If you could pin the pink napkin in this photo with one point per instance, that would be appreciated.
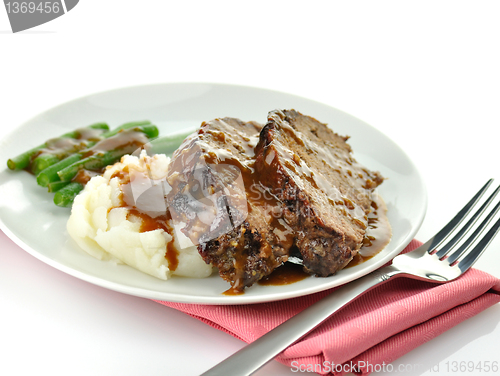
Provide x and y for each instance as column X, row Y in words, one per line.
column 377, row 328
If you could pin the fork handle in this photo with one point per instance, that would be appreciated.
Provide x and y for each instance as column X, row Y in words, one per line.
column 256, row 354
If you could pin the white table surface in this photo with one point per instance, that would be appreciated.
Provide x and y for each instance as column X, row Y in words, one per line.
column 425, row 73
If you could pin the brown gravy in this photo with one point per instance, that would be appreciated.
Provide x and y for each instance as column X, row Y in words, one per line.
column 159, row 223
column 127, row 141
column 62, row 146
column 148, row 223
column 83, row 176
column 171, row 255
column 286, row 274
column 233, row 291
column 357, row 260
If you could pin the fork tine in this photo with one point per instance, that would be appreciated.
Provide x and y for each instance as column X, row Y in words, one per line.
column 437, row 239
column 456, row 254
column 465, row 228
column 480, row 247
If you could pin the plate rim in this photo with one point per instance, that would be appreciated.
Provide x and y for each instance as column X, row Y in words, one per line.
column 221, row 299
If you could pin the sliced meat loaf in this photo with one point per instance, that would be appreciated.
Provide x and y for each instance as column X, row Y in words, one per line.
column 325, row 194
column 225, row 207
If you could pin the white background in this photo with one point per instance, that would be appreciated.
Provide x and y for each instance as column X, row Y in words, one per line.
column 426, row 73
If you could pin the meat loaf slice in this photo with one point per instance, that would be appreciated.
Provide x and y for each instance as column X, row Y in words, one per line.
column 325, row 193
column 227, row 211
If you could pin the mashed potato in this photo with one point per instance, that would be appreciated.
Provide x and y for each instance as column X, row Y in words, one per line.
column 107, row 229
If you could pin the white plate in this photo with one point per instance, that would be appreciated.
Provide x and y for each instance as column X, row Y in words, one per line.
column 28, row 216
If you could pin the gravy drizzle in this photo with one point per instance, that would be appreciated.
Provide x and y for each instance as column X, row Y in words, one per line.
column 149, row 222
column 62, row 146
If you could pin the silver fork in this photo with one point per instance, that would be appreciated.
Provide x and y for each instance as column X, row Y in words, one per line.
column 424, row 263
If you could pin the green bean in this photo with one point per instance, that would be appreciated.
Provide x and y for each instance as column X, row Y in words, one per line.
column 43, row 161
column 49, row 175
column 57, row 185
column 132, row 124
column 64, row 197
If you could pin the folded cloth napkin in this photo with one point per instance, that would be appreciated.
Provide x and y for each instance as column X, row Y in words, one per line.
column 375, row 329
